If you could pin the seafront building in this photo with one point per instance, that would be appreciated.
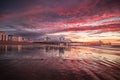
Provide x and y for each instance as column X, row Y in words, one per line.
column 5, row 37
column 15, row 38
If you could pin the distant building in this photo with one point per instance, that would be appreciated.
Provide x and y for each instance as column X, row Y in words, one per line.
column 3, row 36
column 15, row 38
column 62, row 39
column 10, row 37
column 47, row 39
column 20, row 39
column 54, row 39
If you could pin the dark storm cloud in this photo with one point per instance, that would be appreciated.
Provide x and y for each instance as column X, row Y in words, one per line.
column 16, row 5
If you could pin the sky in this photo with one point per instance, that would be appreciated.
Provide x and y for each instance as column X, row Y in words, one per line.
column 76, row 20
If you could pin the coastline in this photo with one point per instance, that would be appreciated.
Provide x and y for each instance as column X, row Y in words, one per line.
column 15, row 43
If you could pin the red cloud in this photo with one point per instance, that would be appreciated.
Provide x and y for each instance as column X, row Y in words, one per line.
column 52, row 15
column 105, row 28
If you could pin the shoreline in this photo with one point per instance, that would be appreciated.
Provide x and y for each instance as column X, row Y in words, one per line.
column 32, row 43
column 15, row 43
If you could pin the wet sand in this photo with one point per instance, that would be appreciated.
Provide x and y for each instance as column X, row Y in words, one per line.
column 59, row 63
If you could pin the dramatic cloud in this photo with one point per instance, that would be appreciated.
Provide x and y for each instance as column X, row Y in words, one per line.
column 38, row 18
